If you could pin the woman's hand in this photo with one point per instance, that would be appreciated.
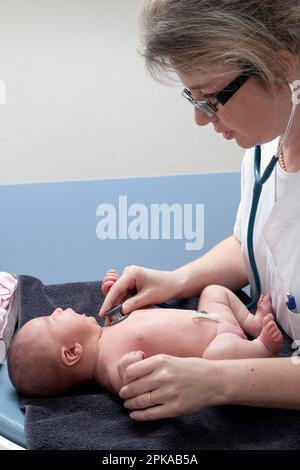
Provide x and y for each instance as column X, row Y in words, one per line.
column 164, row 386
column 142, row 287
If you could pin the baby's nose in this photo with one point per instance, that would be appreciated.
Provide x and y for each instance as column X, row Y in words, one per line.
column 59, row 309
column 70, row 310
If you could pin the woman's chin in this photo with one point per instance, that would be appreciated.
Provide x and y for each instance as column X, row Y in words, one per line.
column 243, row 142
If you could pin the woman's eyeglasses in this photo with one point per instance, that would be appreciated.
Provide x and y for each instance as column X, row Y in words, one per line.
column 211, row 106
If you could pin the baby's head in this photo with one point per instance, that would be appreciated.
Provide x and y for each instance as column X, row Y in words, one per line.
column 49, row 355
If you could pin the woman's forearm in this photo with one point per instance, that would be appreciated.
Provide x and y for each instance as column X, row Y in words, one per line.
column 223, row 265
column 271, row 383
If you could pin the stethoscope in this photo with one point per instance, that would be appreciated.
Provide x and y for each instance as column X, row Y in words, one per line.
column 259, row 181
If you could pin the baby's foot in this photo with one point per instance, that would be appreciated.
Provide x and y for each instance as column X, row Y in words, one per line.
column 264, row 307
column 270, row 336
column 109, row 279
column 128, row 359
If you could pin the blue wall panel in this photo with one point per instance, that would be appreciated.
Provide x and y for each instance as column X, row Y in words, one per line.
column 48, row 230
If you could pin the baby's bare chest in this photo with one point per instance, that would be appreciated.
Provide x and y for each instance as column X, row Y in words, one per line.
column 173, row 332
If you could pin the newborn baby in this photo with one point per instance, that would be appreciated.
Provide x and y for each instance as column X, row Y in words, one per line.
column 52, row 354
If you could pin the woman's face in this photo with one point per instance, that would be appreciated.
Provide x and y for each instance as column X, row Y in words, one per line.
column 252, row 115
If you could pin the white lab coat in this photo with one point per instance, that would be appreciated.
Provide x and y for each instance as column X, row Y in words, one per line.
column 276, row 237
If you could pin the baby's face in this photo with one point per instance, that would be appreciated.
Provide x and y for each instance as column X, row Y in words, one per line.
column 66, row 325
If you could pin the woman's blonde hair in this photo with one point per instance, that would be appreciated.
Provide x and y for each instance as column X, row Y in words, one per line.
column 191, row 35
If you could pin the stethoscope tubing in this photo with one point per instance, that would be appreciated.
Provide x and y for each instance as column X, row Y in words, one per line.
column 259, row 181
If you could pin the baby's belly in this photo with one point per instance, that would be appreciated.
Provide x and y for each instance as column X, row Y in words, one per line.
column 168, row 331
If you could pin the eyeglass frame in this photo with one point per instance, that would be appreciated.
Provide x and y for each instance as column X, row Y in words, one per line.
column 211, row 107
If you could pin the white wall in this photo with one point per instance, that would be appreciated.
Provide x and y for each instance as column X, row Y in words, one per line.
column 80, row 104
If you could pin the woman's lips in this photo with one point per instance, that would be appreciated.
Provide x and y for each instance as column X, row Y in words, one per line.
column 228, row 135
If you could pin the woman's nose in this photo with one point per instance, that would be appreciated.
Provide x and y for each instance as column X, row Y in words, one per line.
column 202, row 119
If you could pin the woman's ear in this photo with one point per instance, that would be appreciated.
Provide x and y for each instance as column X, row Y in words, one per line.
column 291, row 62
column 71, row 355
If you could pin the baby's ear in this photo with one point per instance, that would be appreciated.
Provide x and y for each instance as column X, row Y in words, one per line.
column 71, row 355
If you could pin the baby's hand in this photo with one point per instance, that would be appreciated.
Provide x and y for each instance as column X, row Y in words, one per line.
column 127, row 360
column 109, row 279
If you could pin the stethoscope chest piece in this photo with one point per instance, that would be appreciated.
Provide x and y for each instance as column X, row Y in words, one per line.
column 116, row 315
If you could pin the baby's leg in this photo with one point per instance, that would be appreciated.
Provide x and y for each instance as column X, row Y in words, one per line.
column 231, row 346
column 221, row 300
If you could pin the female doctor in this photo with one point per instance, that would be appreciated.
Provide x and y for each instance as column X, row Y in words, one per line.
column 254, row 47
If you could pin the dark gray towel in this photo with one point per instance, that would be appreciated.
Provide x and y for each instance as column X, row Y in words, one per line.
column 95, row 419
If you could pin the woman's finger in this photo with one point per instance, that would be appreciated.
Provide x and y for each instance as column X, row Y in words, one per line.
column 152, row 414
column 116, row 294
column 156, row 404
column 145, row 400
